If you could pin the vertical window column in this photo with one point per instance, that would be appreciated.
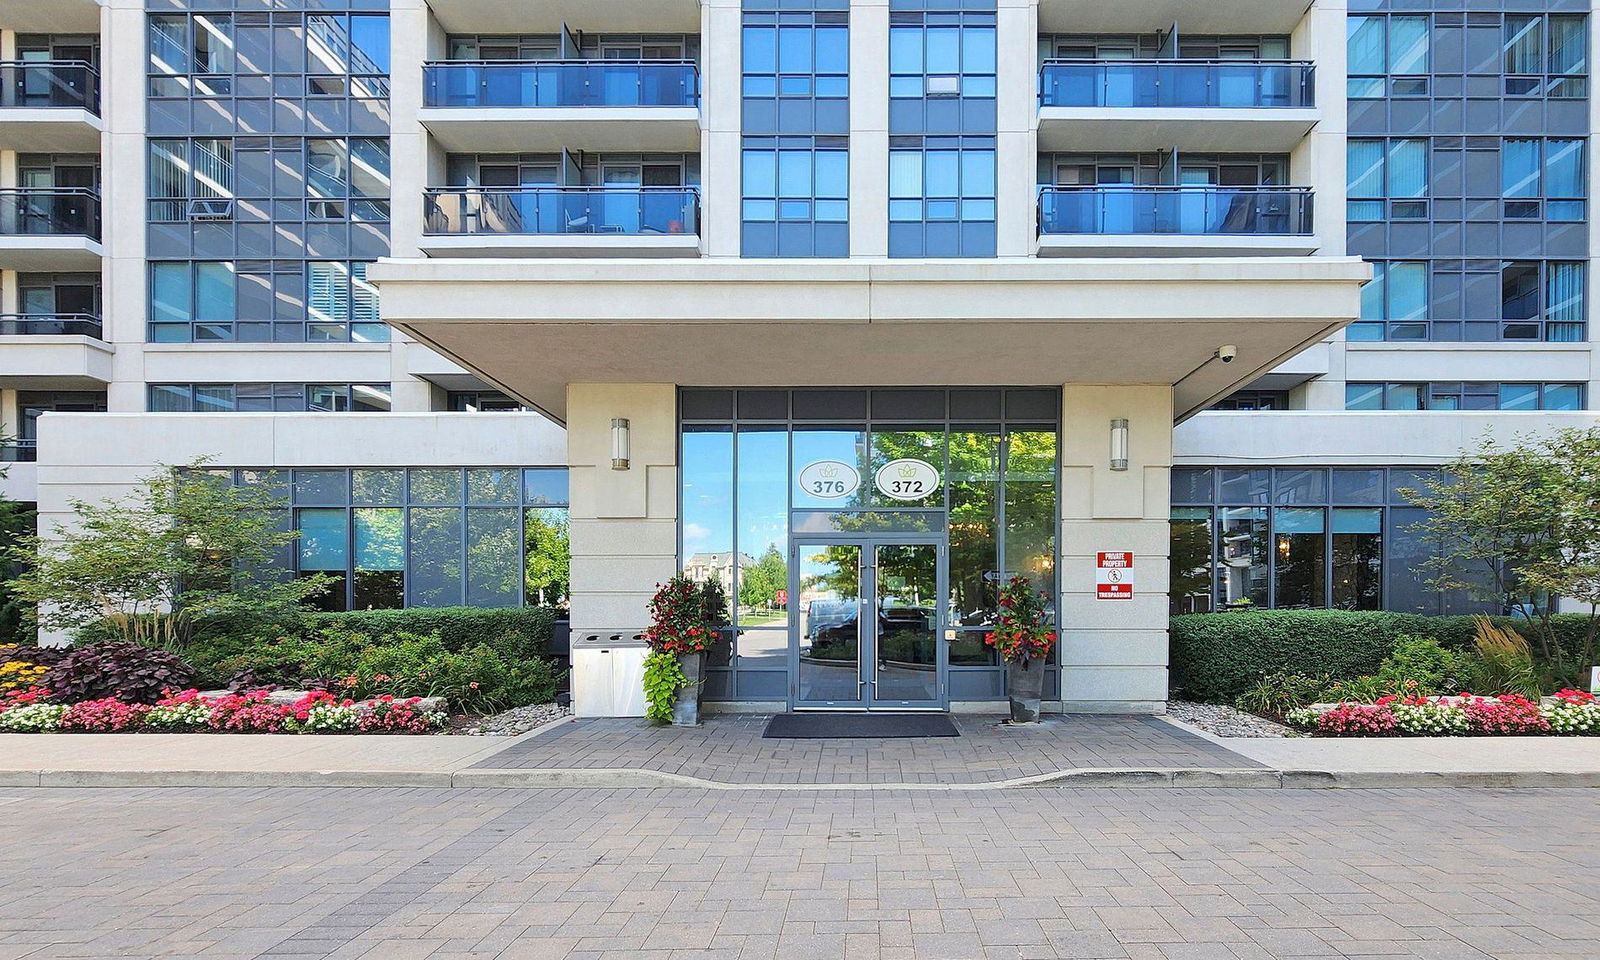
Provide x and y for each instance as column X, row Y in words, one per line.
column 942, row 127
column 796, row 125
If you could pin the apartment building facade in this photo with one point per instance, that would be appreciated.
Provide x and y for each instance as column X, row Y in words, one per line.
column 881, row 302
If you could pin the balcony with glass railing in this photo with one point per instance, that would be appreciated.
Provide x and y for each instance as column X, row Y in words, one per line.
column 51, row 325
column 63, row 352
column 1237, row 105
column 483, row 105
column 50, row 106
column 577, row 220
column 1177, row 219
column 49, row 228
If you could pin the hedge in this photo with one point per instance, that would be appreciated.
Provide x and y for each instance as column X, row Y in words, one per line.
column 458, row 627
column 1216, row 656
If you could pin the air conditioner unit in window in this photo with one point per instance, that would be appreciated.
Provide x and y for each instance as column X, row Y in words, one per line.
column 212, row 209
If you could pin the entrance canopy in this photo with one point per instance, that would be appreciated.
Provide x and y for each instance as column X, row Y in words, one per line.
column 533, row 326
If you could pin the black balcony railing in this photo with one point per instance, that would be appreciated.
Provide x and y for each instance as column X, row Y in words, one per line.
column 561, row 83
column 67, row 324
column 19, row 451
column 1177, row 83
column 628, row 211
column 1180, row 210
column 50, row 211
column 50, row 83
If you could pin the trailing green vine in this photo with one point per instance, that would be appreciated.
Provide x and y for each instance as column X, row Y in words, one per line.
column 663, row 678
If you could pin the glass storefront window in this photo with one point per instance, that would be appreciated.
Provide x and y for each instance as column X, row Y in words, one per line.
column 1357, row 558
column 437, row 547
column 1190, row 590
column 760, row 467
column 1301, row 542
column 1030, row 505
column 761, row 577
column 1241, row 557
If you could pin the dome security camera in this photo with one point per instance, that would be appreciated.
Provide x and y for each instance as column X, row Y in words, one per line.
column 1227, row 352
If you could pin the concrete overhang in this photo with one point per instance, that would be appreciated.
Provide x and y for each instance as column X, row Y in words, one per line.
column 49, row 252
column 55, row 362
column 1148, row 16
column 561, row 245
column 1205, row 129
column 1356, row 438
column 50, row 130
column 552, row 129
column 532, row 327
column 548, row 16
column 52, row 16
column 1172, row 245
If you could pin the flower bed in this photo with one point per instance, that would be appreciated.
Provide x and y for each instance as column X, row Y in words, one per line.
column 190, row 711
column 1568, row 713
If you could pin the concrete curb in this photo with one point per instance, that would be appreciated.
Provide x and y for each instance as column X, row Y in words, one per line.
column 1185, row 778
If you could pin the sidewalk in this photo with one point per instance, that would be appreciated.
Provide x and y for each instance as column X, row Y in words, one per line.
column 728, row 753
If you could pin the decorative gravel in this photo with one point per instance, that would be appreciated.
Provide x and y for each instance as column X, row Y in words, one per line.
column 1224, row 721
column 516, row 721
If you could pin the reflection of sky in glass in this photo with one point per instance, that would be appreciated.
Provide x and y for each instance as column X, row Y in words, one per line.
column 846, row 446
column 707, row 492
column 763, row 486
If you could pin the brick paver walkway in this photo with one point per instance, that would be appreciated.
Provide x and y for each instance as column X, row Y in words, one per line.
column 348, row 874
column 729, row 749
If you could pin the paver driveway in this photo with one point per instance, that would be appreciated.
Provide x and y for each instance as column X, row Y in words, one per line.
column 729, row 748
column 411, row 874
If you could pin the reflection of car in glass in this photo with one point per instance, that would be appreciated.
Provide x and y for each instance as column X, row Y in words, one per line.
column 906, row 632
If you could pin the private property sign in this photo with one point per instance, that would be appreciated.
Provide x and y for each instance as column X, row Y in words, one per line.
column 1113, row 576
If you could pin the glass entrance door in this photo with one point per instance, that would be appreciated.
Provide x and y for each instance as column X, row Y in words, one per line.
column 866, row 629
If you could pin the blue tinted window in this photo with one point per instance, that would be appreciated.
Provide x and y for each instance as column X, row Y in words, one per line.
column 796, row 172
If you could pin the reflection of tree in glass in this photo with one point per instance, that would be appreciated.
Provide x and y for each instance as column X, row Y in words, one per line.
column 1030, row 484
column 435, row 556
column 380, row 538
column 974, row 480
column 760, row 582
column 1191, row 565
column 548, row 559
column 493, row 555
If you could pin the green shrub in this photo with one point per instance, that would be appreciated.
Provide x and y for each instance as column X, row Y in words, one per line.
column 517, row 632
column 1421, row 666
column 1276, row 694
column 1216, row 657
column 483, row 678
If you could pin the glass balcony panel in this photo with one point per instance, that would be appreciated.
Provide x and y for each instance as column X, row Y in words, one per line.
column 65, row 324
column 50, row 211
column 50, row 83
column 630, row 211
column 562, row 83
column 1176, row 83
column 1176, row 210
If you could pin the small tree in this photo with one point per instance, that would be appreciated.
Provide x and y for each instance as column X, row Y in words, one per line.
column 188, row 542
column 1517, row 526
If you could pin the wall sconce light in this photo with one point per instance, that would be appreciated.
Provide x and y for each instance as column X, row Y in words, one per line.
column 1119, row 444
column 619, row 444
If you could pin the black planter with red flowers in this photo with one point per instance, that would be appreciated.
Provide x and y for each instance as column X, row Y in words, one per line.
column 1025, row 639
column 687, row 618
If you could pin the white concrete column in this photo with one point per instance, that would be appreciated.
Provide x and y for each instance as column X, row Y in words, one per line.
column 124, row 276
column 1016, row 144
column 624, row 522
column 1319, row 160
column 410, row 23
column 721, row 102
column 1114, row 652
column 869, row 128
